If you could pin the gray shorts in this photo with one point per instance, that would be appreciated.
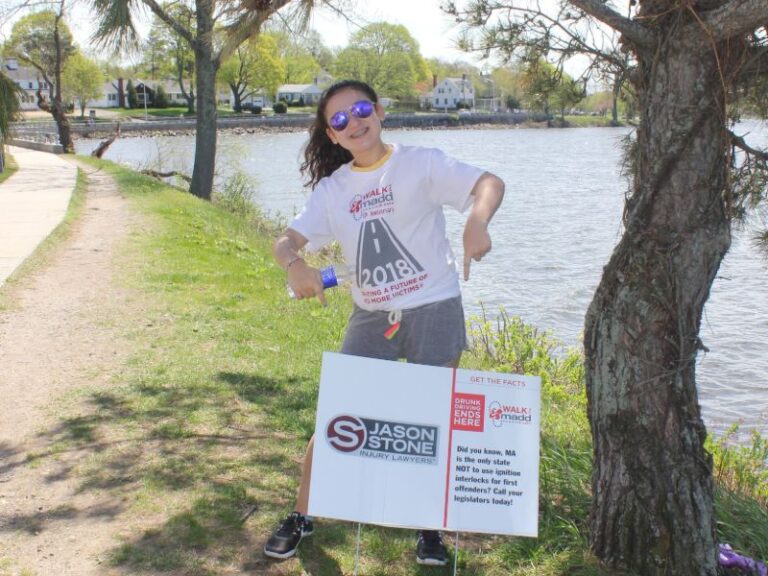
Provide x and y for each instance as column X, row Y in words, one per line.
column 434, row 334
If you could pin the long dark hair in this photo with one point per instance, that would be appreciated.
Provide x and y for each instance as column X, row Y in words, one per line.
column 321, row 156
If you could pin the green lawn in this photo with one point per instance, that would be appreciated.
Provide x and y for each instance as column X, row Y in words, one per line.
column 10, row 168
column 178, row 111
column 201, row 435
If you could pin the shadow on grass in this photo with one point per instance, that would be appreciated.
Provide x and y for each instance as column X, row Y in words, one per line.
column 211, row 526
column 205, row 471
column 289, row 403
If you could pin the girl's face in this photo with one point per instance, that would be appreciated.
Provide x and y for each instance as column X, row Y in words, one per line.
column 360, row 135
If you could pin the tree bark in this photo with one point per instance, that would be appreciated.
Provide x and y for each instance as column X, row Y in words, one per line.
column 58, row 109
column 615, row 101
column 652, row 478
column 237, row 104
column 205, row 137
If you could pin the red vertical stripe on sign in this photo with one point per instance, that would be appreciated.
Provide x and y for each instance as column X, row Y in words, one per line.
column 450, row 452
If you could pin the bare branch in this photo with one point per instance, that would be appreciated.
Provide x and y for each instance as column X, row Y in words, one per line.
column 161, row 175
column 740, row 143
column 174, row 24
column 631, row 30
column 737, row 17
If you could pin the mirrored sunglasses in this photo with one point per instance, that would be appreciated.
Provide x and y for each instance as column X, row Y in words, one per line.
column 360, row 109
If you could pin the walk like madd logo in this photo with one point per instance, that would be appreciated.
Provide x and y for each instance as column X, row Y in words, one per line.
column 382, row 439
column 501, row 414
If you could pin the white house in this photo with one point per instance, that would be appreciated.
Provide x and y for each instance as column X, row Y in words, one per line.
column 112, row 95
column 28, row 79
column 307, row 94
column 451, row 91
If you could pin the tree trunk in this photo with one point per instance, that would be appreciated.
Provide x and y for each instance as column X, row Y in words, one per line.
column 205, row 136
column 58, row 109
column 652, row 479
column 188, row 96
column 237, row 104
column 62, row 124
column 615, row 101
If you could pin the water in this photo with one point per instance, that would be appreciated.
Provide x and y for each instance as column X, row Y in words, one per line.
column 552, row 236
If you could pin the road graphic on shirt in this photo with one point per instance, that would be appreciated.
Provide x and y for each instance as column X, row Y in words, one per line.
column 385, row 268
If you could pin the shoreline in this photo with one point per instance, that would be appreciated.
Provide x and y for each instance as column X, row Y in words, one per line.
column 100, row 134
column 47, row 132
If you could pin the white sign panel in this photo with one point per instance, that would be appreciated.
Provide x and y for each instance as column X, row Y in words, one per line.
column 417, row 446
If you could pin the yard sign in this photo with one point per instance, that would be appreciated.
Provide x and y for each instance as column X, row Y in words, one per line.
column 400, row 444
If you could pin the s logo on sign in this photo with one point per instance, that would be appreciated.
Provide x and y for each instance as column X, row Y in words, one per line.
column 346, row 433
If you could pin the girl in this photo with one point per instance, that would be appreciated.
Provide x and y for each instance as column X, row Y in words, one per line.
column 384, row 203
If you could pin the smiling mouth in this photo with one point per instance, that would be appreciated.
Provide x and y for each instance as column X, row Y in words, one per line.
column 359, row 133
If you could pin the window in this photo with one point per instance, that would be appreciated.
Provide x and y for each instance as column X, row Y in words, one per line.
column 29, row 85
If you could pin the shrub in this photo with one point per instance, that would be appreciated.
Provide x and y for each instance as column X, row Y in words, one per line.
column 236, row 196
column 161, row 98
column 280, row 107
column 513, row 103
column 255, row 109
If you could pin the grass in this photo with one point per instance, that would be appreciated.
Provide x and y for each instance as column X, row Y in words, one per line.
column 10, row 168
column 199, row 439
column 587, row 121
column 181, row 111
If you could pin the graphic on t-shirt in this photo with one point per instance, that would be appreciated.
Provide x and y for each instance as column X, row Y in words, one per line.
column 385, row 267
column 374, row 203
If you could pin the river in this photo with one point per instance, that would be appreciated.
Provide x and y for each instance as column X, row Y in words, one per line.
column 552, row 236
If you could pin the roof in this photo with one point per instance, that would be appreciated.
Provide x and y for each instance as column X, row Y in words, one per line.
column 20, row 73
column 459, row 81
column 301, row 88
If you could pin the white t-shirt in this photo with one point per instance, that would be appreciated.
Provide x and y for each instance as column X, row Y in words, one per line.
column 390, row 224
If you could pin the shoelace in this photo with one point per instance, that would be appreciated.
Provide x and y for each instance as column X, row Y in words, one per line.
column 291, row 524
column 432, row 538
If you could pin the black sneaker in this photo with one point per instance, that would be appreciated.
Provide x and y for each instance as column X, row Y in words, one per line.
column 430, row 549
column 284, row 542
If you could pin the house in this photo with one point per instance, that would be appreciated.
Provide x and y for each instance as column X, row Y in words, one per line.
column 299, row 94
column 112, row 95
column 28, row 79
column 451, row 92
column 323, row 80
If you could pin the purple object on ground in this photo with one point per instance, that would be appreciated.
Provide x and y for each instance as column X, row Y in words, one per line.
column 730, row 559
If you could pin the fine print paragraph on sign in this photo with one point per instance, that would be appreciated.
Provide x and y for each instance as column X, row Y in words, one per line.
column 415, row 446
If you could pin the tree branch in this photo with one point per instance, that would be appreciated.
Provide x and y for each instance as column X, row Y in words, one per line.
column 247, row 25
column 160, row 175
column 740, row 143
column 736, row 17
column 174, row 24
column 631, row 30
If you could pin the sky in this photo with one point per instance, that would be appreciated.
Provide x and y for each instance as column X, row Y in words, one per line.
column 432, row 29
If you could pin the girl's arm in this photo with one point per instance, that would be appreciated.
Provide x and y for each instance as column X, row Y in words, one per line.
column 488, row 193
column 304, row 280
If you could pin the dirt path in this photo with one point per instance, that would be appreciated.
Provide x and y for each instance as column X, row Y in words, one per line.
column 62, row 335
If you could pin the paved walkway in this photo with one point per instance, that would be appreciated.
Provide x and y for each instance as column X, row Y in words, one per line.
column 32, row 203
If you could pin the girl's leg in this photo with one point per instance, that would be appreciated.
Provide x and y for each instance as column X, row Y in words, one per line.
column 302, row 499
column 285, row 540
